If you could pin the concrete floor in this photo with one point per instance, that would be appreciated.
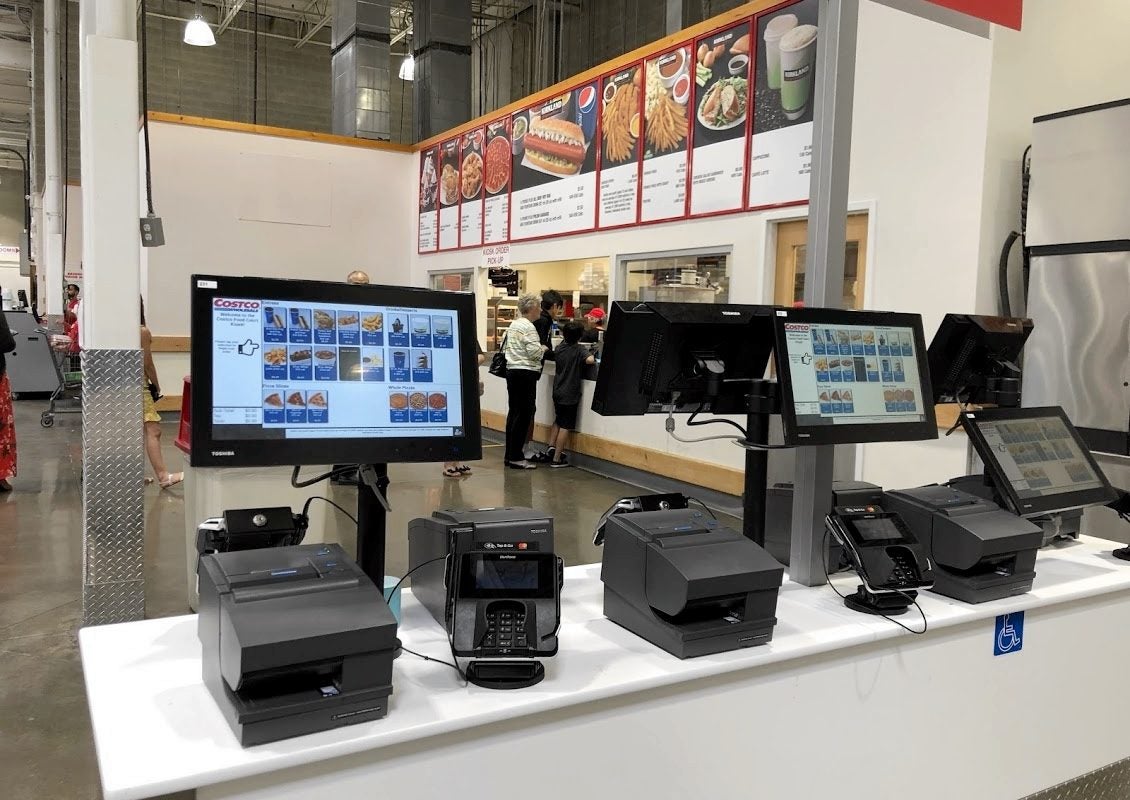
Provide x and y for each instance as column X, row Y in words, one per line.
column 46, row 750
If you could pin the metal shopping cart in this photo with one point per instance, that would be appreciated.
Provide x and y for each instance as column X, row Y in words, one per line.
column 67, row 397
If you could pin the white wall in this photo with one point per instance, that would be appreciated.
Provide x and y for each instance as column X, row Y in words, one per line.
column 918, row 149
column 344, row 208
column 1068, row 55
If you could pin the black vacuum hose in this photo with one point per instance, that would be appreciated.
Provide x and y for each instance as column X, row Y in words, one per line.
column 1002, row 273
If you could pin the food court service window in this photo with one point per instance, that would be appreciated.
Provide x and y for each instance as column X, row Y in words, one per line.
column 689, row 276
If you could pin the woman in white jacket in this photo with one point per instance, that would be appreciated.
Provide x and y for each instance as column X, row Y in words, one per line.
column 523, row 350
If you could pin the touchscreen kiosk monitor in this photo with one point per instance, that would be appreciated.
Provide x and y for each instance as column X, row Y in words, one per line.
column 969, row 351
column 307, row 372
column 853, row 376
column 697, row 356
column 1036, row 460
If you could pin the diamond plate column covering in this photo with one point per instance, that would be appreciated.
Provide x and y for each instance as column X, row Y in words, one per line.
column 360, row 62
column 113, row 461
column 441, row 45
column 1112, row 782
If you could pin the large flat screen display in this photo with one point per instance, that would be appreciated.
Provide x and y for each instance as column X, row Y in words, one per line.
column 853, row 376
column 305, row 372
column 1036, row 459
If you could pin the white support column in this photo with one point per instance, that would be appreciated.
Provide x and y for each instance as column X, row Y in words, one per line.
column 113, row 458
column 51, row 249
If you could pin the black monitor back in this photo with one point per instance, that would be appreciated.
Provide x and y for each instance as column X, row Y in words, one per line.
column 969, row 349
column 650, row 351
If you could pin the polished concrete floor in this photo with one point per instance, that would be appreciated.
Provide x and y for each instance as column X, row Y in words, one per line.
column 46, row 750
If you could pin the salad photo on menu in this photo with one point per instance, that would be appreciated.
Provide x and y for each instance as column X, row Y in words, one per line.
column 722, row 80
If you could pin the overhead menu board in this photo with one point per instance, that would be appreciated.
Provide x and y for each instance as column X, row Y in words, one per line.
column 496, row 183
column 553, row 184
column 471, row 189
column 667, row 91
column 781, row 151
column 427, row 237
column 449, row 195
column 716, row 125
column 721, row 114
column 620, row 119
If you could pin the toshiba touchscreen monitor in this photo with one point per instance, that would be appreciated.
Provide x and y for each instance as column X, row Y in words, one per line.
column 853, row 376
column 1036, row 459
column 307, row 372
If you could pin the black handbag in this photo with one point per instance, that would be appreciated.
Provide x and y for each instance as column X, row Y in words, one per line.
column 498, row 360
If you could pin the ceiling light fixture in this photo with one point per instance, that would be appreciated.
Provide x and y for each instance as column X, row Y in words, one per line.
column 197, row 32
column 408, row 68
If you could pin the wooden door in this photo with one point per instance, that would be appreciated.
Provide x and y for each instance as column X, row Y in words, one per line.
column 792, row 238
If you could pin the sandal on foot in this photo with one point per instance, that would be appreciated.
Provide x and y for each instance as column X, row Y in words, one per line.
column 452, row 472
column 173, row 479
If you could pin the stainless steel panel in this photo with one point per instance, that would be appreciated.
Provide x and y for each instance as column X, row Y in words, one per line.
column 1078, row 355
column 113, row 462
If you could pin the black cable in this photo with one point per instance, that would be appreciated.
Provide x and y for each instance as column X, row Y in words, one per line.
column 333, row 473
column 716, row 421
column 409, row 572
column 145, row 108
column 437, row 660
column 311, row 499
column 704, row 505
column 832, row 586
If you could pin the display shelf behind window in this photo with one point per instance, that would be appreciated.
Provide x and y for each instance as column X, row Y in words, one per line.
column 692, row 278
column 501, row 311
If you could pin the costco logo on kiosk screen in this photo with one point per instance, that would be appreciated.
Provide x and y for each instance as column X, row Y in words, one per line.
column 241, row 305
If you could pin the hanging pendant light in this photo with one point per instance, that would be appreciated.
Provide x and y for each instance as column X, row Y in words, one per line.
column 197, row 32
column 408, row 68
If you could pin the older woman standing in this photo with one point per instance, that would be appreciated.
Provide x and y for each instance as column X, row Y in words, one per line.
column 523, row 350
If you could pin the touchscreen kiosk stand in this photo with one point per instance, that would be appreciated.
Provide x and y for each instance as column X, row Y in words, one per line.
column 372, row 519
column 764, row 400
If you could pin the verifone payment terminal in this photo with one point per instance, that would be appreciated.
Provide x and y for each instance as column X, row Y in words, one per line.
column 890, row 560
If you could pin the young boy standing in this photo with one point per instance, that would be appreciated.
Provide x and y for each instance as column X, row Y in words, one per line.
column 569, row 359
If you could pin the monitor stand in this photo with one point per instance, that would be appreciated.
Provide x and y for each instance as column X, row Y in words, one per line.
column 763, row 401
column 372, row 520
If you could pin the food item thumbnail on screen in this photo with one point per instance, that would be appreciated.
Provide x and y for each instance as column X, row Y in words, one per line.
column 273, row 400
column 556, row 145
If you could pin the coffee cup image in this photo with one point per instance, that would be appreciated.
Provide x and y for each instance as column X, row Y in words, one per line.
column 798, row 62
column 774, row 30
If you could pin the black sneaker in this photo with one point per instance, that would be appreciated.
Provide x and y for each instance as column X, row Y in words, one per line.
column 564, row 462
column 541, row 458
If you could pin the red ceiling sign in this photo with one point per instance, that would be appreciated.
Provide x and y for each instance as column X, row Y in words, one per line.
column 1002, row 12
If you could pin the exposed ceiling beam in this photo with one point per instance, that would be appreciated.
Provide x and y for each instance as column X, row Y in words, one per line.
column 310, row 34
column 229, row 13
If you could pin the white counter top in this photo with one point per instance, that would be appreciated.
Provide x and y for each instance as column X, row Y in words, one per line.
column 157, row 730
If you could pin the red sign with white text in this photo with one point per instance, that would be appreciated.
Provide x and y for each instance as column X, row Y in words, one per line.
column 1002, row 12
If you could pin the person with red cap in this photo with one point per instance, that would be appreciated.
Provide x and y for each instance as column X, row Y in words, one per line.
column 594, row 324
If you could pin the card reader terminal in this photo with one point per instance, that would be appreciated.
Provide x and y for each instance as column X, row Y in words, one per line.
column 891, row 562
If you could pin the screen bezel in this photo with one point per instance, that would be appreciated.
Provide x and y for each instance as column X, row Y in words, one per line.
column 850, row 525
column 1034, row 506
column 207, row 452
column 806, row 435
column 545, row 564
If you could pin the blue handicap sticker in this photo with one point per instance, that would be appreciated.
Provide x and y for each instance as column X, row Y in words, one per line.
column 1009, row 634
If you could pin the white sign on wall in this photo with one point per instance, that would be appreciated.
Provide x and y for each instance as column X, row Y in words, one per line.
column 496, row 256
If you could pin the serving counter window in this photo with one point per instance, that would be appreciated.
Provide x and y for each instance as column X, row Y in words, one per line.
column 684, row 277
column 455, row 281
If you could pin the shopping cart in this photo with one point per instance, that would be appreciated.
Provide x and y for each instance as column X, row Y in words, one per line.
column 67, row 397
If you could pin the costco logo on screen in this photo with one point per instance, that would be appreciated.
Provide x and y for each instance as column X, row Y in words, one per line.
column 796, row 326
column 236, row 305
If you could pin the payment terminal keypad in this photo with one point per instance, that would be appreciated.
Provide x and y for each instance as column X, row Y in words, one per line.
column 905, row 570
column 506, row 628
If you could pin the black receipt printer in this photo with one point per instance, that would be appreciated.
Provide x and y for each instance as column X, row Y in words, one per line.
column 685, row 583
column 980, row 551
column 295, row 640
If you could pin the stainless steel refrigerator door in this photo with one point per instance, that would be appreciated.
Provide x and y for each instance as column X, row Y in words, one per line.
column 1078, row 355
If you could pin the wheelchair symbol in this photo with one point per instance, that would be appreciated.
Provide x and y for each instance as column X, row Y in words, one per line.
column 1007, row 639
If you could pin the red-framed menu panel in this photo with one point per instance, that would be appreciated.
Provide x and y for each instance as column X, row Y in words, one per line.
column 621, row 147
column 471, row 188
column 716, row 125
column 720, row 126
column 449, row 192
column 553, row 169
column 427, row 230
column 780, row 163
